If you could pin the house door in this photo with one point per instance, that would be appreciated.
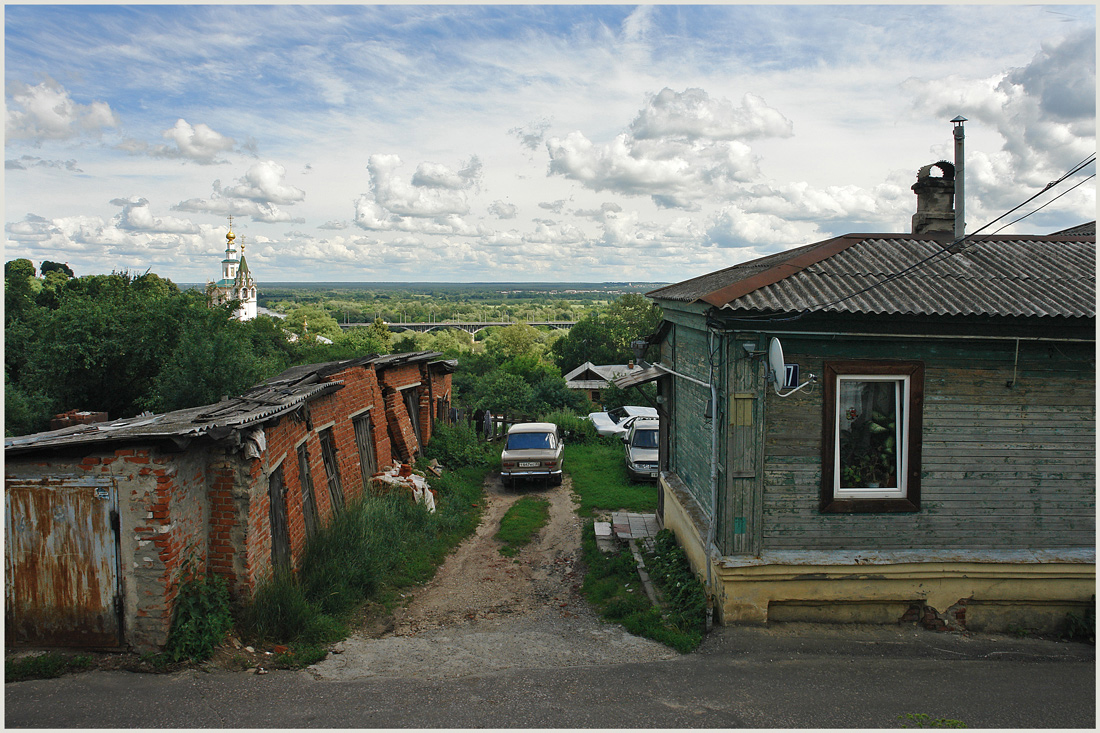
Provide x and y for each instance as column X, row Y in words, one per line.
column 61, row 560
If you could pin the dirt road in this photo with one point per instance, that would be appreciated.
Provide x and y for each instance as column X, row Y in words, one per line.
column 485, row 612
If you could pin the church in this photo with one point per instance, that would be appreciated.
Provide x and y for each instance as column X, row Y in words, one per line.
column 236, row 282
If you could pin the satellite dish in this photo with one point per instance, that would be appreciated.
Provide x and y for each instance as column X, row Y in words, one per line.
column 777, row 369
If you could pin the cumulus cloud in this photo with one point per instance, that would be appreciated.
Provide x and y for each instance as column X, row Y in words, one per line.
column 264, row 182
column 257, row 194
column 433, row 201
column 532, row 135
column 554, row 206
column 733, row 227
column 1044, row 112
column 334, row 225
column 693, row 115
column 198, row 144
column 681, row 149
column 25, row 162
column 47, row 112
column 502, row 210
column 136, row 216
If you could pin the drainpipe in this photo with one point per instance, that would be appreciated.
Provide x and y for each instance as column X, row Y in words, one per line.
column 960, row 179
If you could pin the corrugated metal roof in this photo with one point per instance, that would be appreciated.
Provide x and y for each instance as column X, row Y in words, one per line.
column 1051, row 275
column 271, row 398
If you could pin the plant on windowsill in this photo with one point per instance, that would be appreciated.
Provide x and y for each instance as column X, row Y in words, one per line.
column 871, row 463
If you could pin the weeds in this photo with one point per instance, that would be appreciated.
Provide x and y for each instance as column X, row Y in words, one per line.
column 923, row 720
column 521, row 523
column 600, row 480
column 574, row 428
column 684, row 595
column 44, row 666
column 1081, row 626
column 612, row 585
column 201, row 619
column 378, row 544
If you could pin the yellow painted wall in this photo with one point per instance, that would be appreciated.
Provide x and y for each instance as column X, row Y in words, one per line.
column 998, row 596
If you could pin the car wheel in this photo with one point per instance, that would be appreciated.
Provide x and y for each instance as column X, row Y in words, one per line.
column 557, row 479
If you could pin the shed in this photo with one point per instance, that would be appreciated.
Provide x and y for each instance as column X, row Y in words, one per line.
column 103, row 520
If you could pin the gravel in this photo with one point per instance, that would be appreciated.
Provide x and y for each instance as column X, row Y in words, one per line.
column 484, row 612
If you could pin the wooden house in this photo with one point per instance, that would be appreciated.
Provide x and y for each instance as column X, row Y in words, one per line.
column 938, row 465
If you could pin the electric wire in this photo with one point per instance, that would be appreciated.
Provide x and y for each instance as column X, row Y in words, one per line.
column 956, row 247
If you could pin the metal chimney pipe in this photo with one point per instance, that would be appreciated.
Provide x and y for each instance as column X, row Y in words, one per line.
column 960, row 178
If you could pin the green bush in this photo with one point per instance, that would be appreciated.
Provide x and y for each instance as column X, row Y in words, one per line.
column 575, row 429
column 1081, row 626
column 457, row 446
column 201, row 619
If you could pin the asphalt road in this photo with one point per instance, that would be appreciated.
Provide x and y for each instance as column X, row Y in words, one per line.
column 786, row 676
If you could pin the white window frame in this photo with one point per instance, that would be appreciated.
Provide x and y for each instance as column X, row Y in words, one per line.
column 901, row 438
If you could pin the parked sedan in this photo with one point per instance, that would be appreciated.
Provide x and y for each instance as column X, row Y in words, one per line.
column 642, row 449
column 531, row 450
column 616, row 422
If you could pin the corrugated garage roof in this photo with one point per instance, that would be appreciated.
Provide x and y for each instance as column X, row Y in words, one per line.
column 281, row 394
column 1053, row 275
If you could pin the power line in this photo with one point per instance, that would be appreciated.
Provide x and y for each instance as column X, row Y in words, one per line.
column 954, row 249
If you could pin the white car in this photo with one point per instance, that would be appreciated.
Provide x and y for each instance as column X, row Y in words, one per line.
column 616, row 422
column 642, row 449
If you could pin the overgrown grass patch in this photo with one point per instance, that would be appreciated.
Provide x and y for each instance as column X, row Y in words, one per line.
column 613, row 586
column 378, row 544
column 521, row 523
column 600, row 480
column 44, row 666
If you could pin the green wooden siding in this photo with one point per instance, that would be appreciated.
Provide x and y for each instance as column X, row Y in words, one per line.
column 1002, row 468
column 691, row 439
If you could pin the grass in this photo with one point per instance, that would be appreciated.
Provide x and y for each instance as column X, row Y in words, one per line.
column 378, row 545
column 521, row 523
column 612, row 585
column 43, row 666
column 600, row 480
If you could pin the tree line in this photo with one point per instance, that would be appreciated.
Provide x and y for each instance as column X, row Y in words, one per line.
column 124, row 343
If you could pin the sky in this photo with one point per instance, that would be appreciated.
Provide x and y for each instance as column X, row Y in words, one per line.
column 523, row 143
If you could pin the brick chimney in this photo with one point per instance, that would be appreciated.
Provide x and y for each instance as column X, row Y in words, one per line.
column 935, row 200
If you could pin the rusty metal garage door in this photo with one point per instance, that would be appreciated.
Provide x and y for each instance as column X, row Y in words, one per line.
column 61, row 556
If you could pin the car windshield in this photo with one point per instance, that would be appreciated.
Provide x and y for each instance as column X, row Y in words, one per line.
column 530, row 441
column 645, row 439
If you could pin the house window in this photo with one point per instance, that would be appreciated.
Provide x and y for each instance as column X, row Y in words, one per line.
column 328, row 455
column 364, row 439
column 309, row 504
column 872, row 436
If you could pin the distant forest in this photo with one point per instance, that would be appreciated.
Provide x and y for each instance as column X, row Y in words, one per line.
column 435, row 302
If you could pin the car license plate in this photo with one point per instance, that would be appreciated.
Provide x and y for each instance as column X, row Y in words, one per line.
column 529, row 464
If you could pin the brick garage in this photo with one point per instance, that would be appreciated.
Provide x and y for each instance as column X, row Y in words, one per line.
column 108, row 517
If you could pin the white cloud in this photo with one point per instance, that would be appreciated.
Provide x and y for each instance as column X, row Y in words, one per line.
column 199, row 143
column 25, row 162
column 47, row 112
column 136, row 216
column 502, row 210
column 693, row 115
column 733, row 227
column 682, row 149
column 264, row 182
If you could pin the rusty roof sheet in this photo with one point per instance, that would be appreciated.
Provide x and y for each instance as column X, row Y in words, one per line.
column 281, row 394
column 1052, row 275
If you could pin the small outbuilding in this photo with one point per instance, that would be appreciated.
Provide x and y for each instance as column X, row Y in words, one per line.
column 104, row 519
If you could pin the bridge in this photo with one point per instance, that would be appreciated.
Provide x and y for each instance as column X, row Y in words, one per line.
column 467, row 326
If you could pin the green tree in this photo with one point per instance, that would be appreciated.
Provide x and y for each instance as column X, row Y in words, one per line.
column 64, row 269
column 519, row 339
column 311, row 321
column 606, row 339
